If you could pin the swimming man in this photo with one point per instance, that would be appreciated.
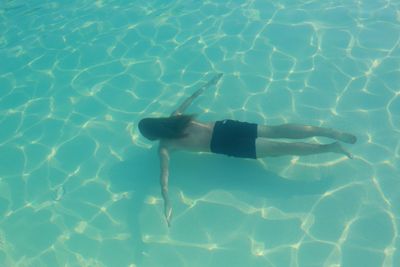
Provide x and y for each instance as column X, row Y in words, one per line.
column 232, row 138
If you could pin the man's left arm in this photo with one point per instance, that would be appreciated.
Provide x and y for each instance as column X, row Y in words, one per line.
column 164, row 161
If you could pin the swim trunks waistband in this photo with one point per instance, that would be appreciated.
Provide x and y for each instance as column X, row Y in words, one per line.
column 234, row 138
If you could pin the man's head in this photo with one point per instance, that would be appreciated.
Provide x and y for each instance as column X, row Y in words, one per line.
column 164, row 128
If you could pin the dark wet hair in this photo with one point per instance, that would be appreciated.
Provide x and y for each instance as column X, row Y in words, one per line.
column 164, row 128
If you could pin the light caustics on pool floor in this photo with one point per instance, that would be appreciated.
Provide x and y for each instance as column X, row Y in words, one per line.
column 79, row 186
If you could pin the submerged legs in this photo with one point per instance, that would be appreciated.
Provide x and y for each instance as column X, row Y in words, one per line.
column 298, row 131
column 267, row 148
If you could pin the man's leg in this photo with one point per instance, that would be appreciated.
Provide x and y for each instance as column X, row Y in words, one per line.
column 297, row 131
column 267, row 148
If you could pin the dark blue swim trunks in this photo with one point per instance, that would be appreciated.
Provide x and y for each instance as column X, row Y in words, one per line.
column 234, row 138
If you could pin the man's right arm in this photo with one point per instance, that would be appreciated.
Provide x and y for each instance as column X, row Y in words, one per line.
column 198, row 92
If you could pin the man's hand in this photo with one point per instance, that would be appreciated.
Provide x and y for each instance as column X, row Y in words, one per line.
column 168, row 213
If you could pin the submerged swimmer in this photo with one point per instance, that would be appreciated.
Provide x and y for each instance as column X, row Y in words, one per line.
column 232, row 138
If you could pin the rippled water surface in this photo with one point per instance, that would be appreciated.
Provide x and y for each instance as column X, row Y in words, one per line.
column 80, row 187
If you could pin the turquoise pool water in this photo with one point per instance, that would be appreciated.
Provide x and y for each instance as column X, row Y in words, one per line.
column 80, row 187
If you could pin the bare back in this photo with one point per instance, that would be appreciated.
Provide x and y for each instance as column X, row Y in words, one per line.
column 197, row 139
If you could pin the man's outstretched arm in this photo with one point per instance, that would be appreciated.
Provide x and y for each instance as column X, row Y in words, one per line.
column 164, row 160
column 190, row 99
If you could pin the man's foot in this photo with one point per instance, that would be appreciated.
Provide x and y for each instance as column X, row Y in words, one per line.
column 336, row 147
